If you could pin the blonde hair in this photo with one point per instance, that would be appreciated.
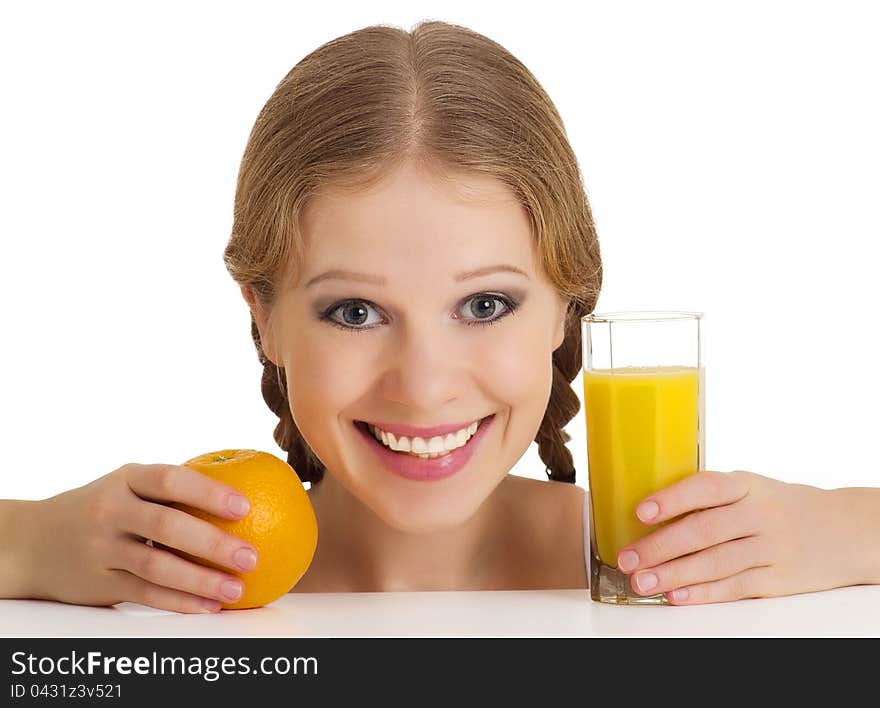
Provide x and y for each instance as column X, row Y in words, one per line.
column 442, row 95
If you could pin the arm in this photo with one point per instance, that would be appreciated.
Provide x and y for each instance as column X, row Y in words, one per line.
column 85, row 546
column 739, row 534
column 861, row 510
column 15, row 544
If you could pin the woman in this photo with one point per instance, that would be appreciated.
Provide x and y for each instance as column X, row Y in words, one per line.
column 414, row 241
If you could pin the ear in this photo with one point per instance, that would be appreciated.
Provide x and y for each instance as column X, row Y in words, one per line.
column 262, row 320
column 561, row 319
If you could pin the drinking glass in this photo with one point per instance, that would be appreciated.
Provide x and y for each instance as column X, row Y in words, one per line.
column 644, row 398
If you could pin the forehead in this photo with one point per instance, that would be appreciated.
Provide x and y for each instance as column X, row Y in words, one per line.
column 416, row 213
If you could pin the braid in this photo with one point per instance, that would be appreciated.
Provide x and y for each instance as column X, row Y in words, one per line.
column 564, row 402
column 299, row 455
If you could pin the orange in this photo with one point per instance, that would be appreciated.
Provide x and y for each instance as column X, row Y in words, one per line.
column 281, row 523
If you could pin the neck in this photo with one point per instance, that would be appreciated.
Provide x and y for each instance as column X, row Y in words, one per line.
column 359, row 552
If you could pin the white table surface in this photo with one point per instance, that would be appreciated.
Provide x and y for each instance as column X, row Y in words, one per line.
column 843, row 612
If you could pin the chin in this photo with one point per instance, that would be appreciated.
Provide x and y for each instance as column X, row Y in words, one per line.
column 418, row 520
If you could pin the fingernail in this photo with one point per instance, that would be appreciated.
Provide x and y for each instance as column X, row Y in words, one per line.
column 231, row 589
column 627, row 560
column 646, row 581
column 647, row 510
column 210, row 606
column 238, row 505
column 245, row 559
column 680, row 594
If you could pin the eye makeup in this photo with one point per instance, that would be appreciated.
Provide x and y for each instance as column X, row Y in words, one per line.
column 509, row 305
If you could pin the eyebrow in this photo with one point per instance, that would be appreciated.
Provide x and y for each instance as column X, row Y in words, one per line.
column 378, row 280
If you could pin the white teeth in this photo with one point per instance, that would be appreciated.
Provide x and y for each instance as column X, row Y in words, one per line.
column 419, row 445
column 435, row 444
column 434, row 447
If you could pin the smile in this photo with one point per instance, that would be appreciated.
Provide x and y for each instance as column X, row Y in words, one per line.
column 436, row 446
column 425, row 459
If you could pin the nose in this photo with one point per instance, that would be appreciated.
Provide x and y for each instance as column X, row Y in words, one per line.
column 425, row 368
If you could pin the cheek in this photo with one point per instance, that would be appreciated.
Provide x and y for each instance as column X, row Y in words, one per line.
column 324, row 379
column 519, row 365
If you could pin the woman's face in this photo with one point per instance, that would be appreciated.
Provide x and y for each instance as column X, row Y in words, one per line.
column 421, row 303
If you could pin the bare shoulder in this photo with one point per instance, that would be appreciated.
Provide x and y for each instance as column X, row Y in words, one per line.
column 550, row 495
column 549, row 517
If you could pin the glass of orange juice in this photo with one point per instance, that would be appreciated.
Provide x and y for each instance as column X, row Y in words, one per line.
column 644, row 398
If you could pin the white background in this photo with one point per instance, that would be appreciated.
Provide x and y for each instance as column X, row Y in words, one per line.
column 730, row 152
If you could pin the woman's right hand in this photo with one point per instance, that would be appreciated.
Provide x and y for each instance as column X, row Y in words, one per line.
column 93, row 548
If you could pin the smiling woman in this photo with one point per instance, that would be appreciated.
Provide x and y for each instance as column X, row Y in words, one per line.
column 463, row 258
column 414, row 242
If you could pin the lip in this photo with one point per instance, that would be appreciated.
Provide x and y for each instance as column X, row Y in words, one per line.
column 428, row 469
column 412, row 431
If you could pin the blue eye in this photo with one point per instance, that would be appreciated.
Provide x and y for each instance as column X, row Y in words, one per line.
column 483, row 308
column 355, row 314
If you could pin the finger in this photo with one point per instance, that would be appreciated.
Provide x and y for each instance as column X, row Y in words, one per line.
column 143, row 592
column 177, row 483
column 694, row 532
column 164, row 568
column 713, row 563
column 176, row 529
column 754, row 582
column 702, row 490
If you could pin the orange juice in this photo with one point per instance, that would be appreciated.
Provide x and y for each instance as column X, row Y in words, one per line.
column 643, row 434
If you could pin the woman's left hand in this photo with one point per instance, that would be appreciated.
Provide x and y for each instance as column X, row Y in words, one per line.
column 740, row 535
